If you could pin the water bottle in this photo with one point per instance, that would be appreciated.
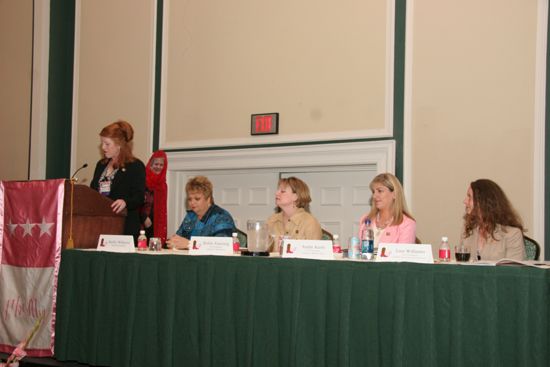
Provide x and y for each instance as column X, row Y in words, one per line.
column 142, row 241
column 444, row 250
column 367, row 241
column 336, row 248
column 354, row 248
column 236, row 242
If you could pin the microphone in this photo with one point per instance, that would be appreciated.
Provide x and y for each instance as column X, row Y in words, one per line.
column 70, row 241
column 78, row 170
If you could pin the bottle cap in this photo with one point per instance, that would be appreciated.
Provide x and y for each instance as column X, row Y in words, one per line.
column 234, row 234
column 445, row 239
column 141, row 231
column 335, row 237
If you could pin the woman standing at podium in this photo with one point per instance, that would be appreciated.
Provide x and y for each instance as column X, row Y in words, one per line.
column 119, row 175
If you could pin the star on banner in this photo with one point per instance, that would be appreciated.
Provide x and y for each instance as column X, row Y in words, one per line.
column 45, row 227
column 12, row 227
column 27, row 227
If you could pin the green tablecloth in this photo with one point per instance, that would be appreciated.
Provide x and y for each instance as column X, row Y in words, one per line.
column 172, row 310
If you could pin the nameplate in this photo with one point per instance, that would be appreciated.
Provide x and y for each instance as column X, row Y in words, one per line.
column 308, row 249
column 210, row 245
column 115, row 243
column 404, row 252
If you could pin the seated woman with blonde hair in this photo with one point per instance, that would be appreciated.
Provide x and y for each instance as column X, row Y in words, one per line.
column 292, row 218
column 389, row 217
column 203, row 218
column 493, row 229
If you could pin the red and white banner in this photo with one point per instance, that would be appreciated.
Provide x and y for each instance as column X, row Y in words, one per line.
column 31, row 214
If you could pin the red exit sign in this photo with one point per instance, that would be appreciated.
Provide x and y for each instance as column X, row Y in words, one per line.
column 264, row 123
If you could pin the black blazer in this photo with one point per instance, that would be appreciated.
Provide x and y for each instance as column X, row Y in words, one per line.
column 128, row 185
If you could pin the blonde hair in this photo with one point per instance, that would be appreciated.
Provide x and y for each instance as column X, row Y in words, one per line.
column 201, row 184
column 300, row 188
column 399, row 206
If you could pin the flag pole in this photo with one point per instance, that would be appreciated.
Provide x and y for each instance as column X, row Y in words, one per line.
column 70, row 242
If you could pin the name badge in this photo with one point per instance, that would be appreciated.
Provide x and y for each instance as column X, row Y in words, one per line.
column 210, row 245
column 105, row 187
column 115, row 243
column 308, row 249
column 401, row 252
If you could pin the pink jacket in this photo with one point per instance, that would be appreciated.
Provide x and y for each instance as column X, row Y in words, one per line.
column 402, row 233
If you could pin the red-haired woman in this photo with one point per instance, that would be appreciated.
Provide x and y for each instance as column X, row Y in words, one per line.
column 119, row 175
column 492, row 228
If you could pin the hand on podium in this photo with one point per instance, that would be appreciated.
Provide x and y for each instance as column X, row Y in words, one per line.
column 118, row 205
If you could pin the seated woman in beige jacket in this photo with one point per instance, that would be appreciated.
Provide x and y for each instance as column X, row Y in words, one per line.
column 493, row 229
column 292, row 218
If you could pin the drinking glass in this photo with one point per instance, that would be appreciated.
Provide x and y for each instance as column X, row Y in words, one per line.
column 462, row 253
column 155, row 244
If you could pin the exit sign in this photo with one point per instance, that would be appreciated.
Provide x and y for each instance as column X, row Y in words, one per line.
column 264, row 123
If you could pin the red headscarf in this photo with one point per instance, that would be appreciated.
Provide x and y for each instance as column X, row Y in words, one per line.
column 157, row 184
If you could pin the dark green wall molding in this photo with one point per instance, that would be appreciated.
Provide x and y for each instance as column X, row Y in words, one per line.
column 60, row 88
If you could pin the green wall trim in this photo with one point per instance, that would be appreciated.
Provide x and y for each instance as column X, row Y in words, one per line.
column 60, row 88
column 399, row 84
column 547, row 152
column 158, row 74
column 276, row 145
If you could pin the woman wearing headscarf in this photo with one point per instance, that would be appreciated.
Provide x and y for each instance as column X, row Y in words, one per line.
column 153, row 211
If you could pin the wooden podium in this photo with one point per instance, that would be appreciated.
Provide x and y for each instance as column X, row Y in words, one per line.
column 91, row 216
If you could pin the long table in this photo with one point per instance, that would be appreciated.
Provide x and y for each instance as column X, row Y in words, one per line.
column 172, row 310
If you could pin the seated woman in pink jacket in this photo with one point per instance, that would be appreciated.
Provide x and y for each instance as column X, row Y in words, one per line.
column 390, row 219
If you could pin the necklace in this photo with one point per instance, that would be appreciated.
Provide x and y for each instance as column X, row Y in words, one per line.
column 380, row 225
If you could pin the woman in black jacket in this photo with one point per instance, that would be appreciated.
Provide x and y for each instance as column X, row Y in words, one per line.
column 119, row 175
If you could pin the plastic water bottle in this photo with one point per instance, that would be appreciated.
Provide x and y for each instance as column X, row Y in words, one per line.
column 236, row 242
column 444, row 250
column 336, row 248
column 142, row 241
column 354, row 248
column 367, row 241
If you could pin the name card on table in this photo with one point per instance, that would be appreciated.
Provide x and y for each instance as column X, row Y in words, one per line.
column 308, row 249
column 401, row 252
column 210, row 245
column 115, row 243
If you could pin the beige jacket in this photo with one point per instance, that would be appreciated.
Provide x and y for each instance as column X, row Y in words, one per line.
column 301, row 226
column 508, row 244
